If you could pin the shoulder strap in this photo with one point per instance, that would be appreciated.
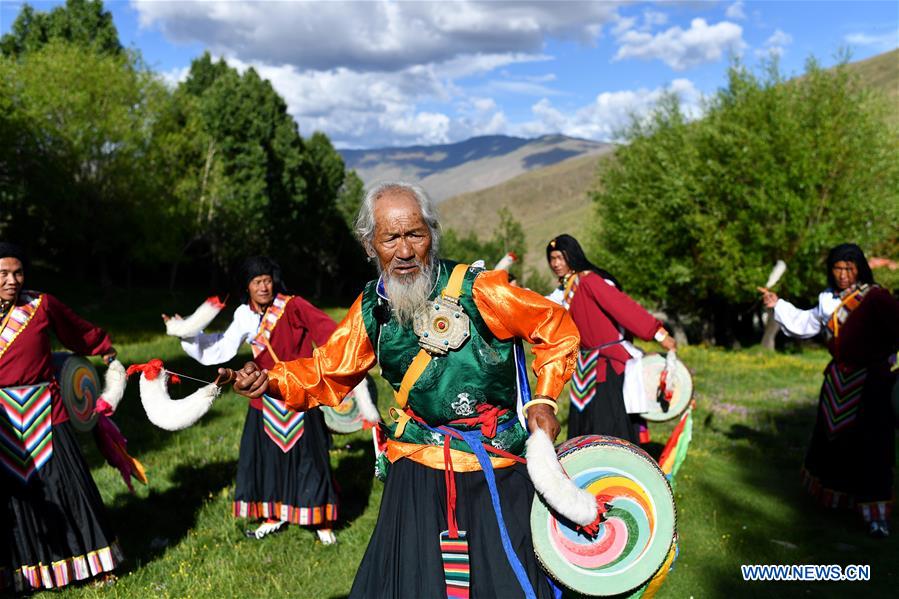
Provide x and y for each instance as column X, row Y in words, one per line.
column 422, row 358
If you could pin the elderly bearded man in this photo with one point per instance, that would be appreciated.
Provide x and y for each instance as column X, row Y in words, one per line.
column 444, row 336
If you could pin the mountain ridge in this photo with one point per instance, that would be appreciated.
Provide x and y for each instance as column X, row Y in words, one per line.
column 450, row 169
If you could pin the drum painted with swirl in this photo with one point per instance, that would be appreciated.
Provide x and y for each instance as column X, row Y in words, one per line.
column 345, row 418
column 79, row 387
column 653, row 365
column 637, row 533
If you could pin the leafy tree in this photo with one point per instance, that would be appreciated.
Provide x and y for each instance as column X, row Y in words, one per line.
column 507, row 237
column 81, row 22
column 79, row 157
column 250, row 183
column 694, row 214
column 349, row 198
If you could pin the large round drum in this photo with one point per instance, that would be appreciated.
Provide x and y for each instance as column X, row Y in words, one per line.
column 345, row 418
column 79, row 387
column 637, row 534
column 653, row 365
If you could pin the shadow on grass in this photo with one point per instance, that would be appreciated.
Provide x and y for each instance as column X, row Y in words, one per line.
column 355, row 475
column 767, row 518
column 172, row 513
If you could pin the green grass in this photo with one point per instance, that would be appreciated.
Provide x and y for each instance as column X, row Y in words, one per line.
column 738, row 494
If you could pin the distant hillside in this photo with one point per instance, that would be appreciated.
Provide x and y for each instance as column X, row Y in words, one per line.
column 555, row 199
column 476, row 163
column 881, row 72
column 547, row 201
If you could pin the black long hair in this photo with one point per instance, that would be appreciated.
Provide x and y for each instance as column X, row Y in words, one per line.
column 256, row 266
column 11, row 250
column 849, row 252
column 575, row 257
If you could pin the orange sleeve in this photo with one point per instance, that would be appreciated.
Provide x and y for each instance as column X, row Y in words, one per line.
column 332, row 371
column 515, row 312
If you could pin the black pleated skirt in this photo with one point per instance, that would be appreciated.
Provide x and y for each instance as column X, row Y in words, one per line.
column 854, row 468
column 296, row 486
column 54, row 529
column 605, row 414
column 403, row 558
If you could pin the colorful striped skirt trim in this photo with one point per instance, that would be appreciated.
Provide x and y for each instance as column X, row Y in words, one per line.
column 833, row 499
column 63, row 572
column 303, row 516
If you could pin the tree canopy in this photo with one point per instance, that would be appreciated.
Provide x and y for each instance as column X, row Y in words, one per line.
column 693, row 215
column 103, row 164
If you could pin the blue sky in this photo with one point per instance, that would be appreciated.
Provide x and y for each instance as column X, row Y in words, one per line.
column 387, row 73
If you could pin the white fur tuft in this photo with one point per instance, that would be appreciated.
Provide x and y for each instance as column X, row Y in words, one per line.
column 671, row 369
column 194, row 324
column 366, row 406
column 776, row 273
column 114, row 385
column 554, row 486
column 174, row 415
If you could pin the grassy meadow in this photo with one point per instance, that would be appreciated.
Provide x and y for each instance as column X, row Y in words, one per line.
column 738, row 494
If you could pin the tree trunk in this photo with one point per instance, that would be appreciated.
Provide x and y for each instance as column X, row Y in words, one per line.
column 771, row 328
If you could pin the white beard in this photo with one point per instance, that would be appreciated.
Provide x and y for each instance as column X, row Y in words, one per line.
column 407, row 293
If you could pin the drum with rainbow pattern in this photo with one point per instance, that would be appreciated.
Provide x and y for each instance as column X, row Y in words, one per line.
column 79, row 387
column 638, row 533
column 345, row 418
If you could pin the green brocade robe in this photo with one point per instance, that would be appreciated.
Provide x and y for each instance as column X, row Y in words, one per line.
column 480, row 373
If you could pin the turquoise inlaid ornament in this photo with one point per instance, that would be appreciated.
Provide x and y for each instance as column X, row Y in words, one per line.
column 441, row 325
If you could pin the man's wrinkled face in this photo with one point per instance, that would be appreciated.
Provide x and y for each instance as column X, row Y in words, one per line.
column 12, row 277
column 402, row 239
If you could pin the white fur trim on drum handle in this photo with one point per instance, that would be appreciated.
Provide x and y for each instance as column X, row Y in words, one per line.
column 671, row 370
column 776, row 273
column 174, row 415
column 363, row 401
column 506, row 261
column 114, row 384
column 554, row 486
column 194, row 324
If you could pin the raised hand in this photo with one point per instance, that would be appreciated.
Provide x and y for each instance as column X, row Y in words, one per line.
column 769, row 298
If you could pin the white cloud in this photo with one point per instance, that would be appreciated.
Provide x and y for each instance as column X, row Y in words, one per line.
column 880, row 41
column 381, row 109
column 173, row 77
column 653, row 18
column 735, row 11
column 681, row 49
column 604, row 118
column 384, row 72
column 775, row 45
column 379, row 35
column 623, row 24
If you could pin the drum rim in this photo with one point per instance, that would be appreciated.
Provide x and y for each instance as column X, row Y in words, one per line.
column 616, row 442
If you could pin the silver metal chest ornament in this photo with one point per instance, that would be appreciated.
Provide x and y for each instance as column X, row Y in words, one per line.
column 441, row 325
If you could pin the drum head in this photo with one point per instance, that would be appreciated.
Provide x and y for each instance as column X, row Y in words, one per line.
column 653, row 365
column 79, row 387
column 345, row 418
column 637, row 534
